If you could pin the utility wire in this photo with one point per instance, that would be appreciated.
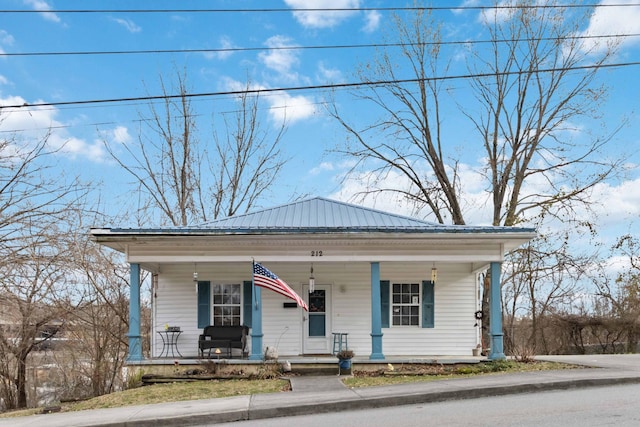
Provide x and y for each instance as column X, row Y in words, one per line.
column 312, row 87
column 326, row 9
column 317, row 47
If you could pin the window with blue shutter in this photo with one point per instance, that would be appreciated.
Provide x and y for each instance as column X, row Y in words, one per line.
column 204, row 304
column 247, row 298
column 428, row 304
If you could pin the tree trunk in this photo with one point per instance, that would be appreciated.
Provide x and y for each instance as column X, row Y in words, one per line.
column 21, row 381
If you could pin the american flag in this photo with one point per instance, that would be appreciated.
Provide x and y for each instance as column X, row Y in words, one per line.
column 266, row 279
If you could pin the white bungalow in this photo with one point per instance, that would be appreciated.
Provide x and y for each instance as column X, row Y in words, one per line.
column 397, row 286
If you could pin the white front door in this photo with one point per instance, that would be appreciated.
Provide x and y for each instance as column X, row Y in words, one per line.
column 317, row 324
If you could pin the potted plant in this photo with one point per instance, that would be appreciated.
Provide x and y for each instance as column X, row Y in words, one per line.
column 344, row 360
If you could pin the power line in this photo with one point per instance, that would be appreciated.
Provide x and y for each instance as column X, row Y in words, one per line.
column 317, row 47
column 311, row 87
column 331, row 9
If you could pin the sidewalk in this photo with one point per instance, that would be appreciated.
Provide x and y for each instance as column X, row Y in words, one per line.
column 328, row 394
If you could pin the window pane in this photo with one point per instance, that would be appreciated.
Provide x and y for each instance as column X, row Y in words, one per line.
column 227, row 304
column 405, row 306
column 317, row 326
column 317, row 301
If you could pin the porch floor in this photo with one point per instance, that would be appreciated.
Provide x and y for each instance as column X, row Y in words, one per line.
column 316, row 360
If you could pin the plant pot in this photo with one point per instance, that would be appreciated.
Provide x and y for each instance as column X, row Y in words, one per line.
column 344, row 366
column 476, row 351
column 344, row 363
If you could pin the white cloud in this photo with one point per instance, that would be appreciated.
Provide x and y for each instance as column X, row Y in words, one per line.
column 43, row 6
column 372, row 21
column 281, row 61
column 498, row 14
column 322, row 167
column 329, row 75
column 282, row 106
column 290, row 108
column 38, row 123
column 131, row 26
column 613, row 208
column 3, row 80
column 613, row 21
column 225, row 43
column 121, row 135
column 616, row 204
column 6, row 38
column 320, row 18
column 466, row 3
column 353, row 188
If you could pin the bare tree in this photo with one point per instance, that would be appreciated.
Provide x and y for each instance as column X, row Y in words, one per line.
column 34, row 202
column 527, row 94
column 540, row 280
column 29, row 288
column 247, row 160
column 189, row 184
column 534, row 81
column 529, row 103
column 100, row 321
column 622, row 292
column 31, row 191
column 408, row 134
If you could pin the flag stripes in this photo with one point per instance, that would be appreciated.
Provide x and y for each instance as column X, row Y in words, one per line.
column 266, row 279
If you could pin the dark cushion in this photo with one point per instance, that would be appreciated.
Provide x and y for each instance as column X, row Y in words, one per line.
column 213, row 335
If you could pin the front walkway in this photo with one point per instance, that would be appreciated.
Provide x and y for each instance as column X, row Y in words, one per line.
column 320, row 383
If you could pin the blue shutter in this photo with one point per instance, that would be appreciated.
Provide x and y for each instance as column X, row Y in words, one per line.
column 384, row 303
column 247, row 297
column 428, row 304
column 204, row 304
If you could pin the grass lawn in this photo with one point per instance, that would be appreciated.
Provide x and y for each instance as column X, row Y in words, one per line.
column 171, row 392
column 406, row 374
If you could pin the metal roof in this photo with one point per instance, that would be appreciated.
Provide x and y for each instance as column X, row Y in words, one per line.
column 320, row 215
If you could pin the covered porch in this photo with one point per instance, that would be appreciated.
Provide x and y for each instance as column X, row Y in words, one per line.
column 373, row 280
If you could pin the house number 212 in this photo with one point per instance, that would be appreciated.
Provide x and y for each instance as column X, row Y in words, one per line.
column 316, row 253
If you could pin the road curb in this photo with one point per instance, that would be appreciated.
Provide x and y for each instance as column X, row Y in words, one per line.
column 355, row 403
column 257, row 407
column 432, row 397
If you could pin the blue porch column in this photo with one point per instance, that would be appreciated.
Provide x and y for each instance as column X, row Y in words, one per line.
column 495, row 314
column 135, row 340
column 256, row 324
column 376, row 316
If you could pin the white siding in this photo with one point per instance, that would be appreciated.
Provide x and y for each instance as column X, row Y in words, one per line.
column 455, row 304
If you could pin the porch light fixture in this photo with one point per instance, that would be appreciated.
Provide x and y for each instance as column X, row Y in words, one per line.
column 195, row 272
column 434, row 273
column 312, row 281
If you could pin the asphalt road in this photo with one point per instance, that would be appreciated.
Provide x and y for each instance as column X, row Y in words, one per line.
column 598, row 406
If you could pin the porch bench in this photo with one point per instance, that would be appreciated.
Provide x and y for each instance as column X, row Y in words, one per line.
column 226, row 338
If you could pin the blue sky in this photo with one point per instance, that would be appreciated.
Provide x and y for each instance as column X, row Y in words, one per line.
column 311, row 133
